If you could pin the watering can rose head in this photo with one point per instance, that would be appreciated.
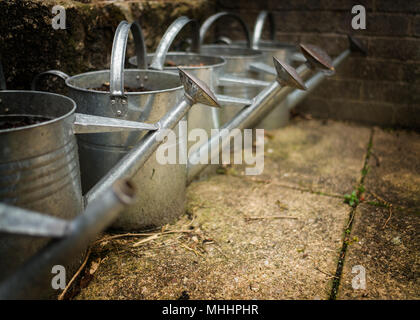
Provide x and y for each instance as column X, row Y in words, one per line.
column 196, row 90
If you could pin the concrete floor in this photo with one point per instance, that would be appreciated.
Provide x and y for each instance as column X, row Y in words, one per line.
column 285, row 234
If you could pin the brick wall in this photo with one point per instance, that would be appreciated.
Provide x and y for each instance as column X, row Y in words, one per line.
column 382, row 88
column 29, row 44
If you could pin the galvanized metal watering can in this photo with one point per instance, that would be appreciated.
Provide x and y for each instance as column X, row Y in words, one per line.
column 203, row 67
column 262, row 69
column 163, row 186
column 283, row 51
column 206, row 68
column 238, row 79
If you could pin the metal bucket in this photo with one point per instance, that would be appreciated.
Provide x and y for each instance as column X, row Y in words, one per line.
column 238, row 61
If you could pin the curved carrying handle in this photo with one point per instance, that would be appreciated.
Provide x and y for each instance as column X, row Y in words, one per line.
column 57, row 73
column 169, row 36
column 2, row 79
column 116, row 81
column 210, row 20
column 259, row 25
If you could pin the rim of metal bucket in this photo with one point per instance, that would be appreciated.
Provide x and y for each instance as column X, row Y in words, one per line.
column 44, row 123
column 185, row 67
column 210, row 20
column 269, row 45
column 125, row 93
column 254, row 53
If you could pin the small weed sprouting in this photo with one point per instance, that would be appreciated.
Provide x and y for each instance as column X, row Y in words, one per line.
column 352, row 199
column 355, row 197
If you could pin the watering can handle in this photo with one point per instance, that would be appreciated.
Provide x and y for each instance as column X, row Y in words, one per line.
column 2, row 79
column 169, row 37
column 57, row 73
column 259, row 25
column 210, row 20
column 116, row 81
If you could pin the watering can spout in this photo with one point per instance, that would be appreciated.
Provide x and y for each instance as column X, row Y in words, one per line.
column 196, row 90
column 31, row 279
column 316, row 57
column 287, row 75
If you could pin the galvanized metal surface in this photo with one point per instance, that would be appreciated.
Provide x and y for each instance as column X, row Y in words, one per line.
column 39, row 167
column 316, row 57
column 212, row 19
column 31, row 280
column 267, row 49
column 116, row 82
column 259, row 26
column 130, row 164
column 287, row 75
column 100, row 152
column 297, row 96
column 15, row 220
column 85, row 123
column 170, row 35
column 271, row 48
column 232, row 101
column 270, row 97
column 237, row 65
column 205, row 68
column 239, row 81
column 262, row 104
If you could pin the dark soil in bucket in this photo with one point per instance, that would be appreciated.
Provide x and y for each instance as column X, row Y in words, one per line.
column 17, row 121
column 105, row 87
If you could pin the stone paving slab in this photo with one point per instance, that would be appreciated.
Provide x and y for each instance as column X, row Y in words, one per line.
column 279, row 235
column 325, row 156
column 390, row 255
column 385, row 238
column 234, row 251
column 252, row 237
column 394, row 168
